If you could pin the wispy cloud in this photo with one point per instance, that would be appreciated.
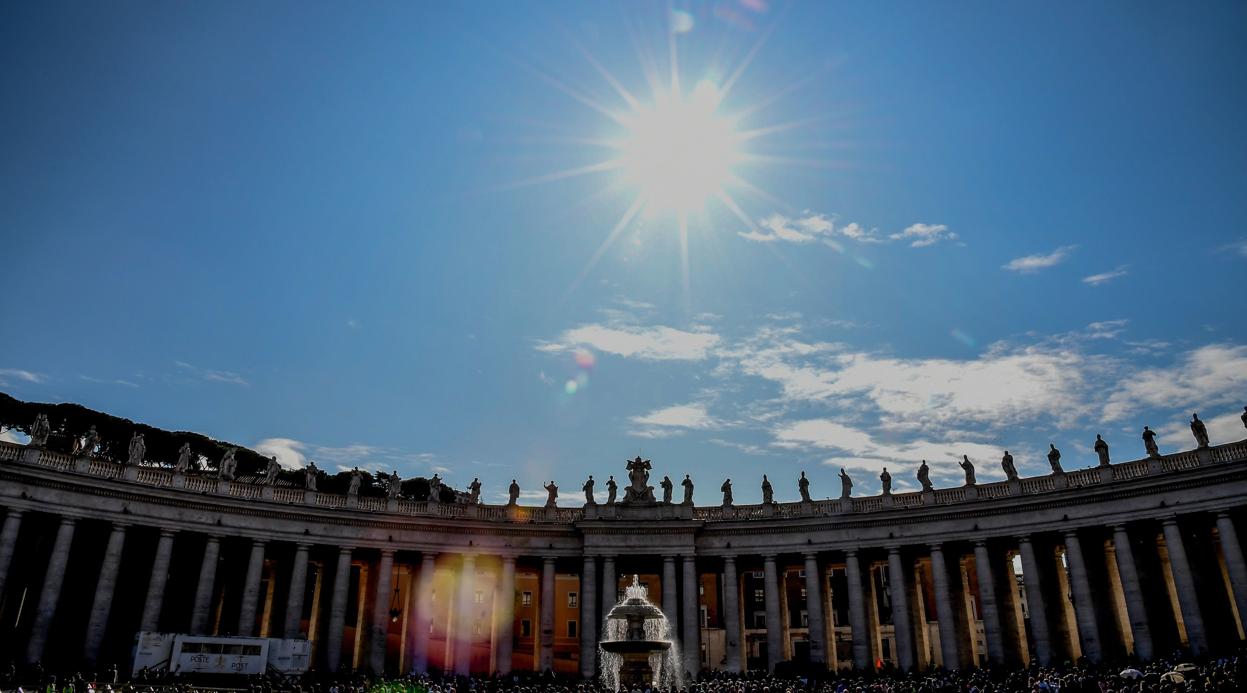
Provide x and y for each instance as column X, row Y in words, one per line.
column 651, row 343
column 1211, row 375
column 923, row 235
column 15, row 374
column 210, row 375
column 107, row 381
column 673, row 420
column 1028, row 264
column 1105, row 277
column 1238, row 248
column 288, row 451
column 1222, row 428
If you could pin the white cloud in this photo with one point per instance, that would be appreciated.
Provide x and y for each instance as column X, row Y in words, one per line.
column 210, row 375
column 1028, row 264
column 1105, row 277
column 108, row 381
column 674, row 420
column 9, row 435
column 1209, row 376
column 288, row 451
column 1236, row 248
column 923, row 235
column 652, row 343
column 19, row 374
column 806, row 229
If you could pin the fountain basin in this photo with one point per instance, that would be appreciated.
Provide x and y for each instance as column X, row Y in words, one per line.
column 634, row 646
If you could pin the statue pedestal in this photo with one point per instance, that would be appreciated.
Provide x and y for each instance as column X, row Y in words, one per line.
column 352, row 500
column 928, row 497
column 391, row 505
column 1204, row 455
column 844, row 505
column 222, row 486
column 768, row 510
column 1059, row 481
column 30, row 455
column 179, row 480
column 729, row 511
column 130, row 472
column 82, row 465
column 471, row 511
column 1015, row 487
column 1154, row 465
column 972, row 492
column 807, row 508
column 309, row 497
column 1106, row 473
column 266, row 493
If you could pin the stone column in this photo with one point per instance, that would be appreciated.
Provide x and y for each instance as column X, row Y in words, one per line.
column 294, row 597
column 8, row 542
column 1084, row 601
column 692, row 618
column 251, row 589
column 1035, row 602
column 337, row 609
column 814, row 610
column 857, row 612
column 900, row 609
column 101, row 606
column 1184, row 581
column 610, row 586
column 731, row 615
column 1234, row 563
column 156, row 585
column 547, row 613
column 992, row 630
column 1133, row 593
column 378, row 632
column 944, row 609
column 466, row 612
column 203, row 590
column 588, row 617
column 50, row 595
column 774, row 626
column 670, row 600
column 505, row 605
column 424, row 612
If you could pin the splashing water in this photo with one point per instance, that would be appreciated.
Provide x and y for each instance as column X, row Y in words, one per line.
column 666, row 663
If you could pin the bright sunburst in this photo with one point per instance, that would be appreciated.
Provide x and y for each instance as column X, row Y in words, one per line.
column 679, row 152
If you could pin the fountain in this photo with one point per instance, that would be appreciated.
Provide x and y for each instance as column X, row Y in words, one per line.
column 638, row 649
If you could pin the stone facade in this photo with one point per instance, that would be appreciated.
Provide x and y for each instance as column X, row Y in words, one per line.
column 1137, row 557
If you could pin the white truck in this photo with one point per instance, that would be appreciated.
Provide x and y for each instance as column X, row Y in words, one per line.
column 182, row 654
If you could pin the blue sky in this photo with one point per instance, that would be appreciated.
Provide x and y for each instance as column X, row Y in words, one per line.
column 339, row 234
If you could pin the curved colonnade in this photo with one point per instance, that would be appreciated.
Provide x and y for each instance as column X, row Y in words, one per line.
column 1134, row 558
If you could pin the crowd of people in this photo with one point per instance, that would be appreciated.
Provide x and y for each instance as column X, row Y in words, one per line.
column 1174, row 675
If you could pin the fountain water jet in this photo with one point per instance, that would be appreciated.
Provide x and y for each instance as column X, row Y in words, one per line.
column 638, row 648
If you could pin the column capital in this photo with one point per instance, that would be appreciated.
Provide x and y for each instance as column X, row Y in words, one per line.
column 67, row 520
column 167, row 532
column 347, row 550
column 850, row 553
column 893, row 549
column 668, row 559
column 120, row 526
column 1119, row 527
column 1070, row 533
column 731, row 557
column 303, row 545
column 1023, row 539
column 936, row 546
column 387, row 551
column 1170, row 521
column 1223, row 514
column 548, row 560
column 214, row 538
column 14, row 512
column 259, row 541
column 769, row 557
column 811, row 555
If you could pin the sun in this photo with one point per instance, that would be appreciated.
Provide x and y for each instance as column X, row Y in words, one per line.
column 680, row 151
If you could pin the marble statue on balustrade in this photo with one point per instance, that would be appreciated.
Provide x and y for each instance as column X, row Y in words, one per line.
column 768, row 492
column 968, row 467
column 688, row 489
column 885, row 482
column 309, row 476
column 356, row 480
column 612, row 489
column 1101, row 450
column 1199, row 430
column 184, row 459
column 86, row 446
column 271, row 470
column 1054, row 459
column 435, row 488
column 138, row 449
column 393, row 486
column 228, row 465
column 552, row 497
column 924, row 475
column 474, row 491
column 41, row 429
column 513, row 493
column 638, row 489
column 846, row 484
column 726, row 488
column 588, row 489
column 667, row 488
column 1149, row 442
column 803, row 487
column 1011, row 470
